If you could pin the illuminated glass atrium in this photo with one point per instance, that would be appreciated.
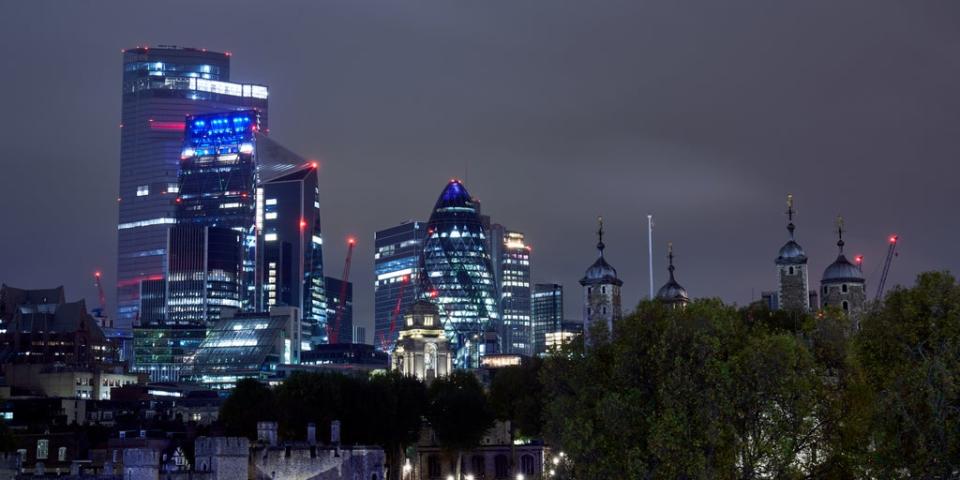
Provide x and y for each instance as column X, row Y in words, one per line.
column 457, row 271
column 247, row 345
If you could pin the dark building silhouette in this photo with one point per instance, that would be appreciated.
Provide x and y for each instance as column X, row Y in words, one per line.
column 42, row 328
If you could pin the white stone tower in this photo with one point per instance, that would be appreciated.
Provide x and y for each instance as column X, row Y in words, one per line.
column 793, row 287
column 843, row 285
column 601, row 290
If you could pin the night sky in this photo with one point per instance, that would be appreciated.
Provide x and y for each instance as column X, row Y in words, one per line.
column 705, row 114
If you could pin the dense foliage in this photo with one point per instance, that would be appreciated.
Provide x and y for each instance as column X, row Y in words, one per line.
column 714, row 392
column 709, row 391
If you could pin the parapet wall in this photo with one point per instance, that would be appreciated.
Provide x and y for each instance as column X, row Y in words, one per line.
column 301, row 462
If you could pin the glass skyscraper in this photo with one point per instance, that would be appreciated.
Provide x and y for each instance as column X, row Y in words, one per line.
column 396, row 260
column 512, row 261
column 290, row 249
column 458, row 273
column 547, row 313
column 161, row 86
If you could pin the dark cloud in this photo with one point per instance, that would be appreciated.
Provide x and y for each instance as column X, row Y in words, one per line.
column 703, row 113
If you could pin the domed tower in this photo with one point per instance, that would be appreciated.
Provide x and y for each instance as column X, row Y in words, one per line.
column 457, row 272
column 672, row 293
column 843, row 285
column 793, row 286
column 422, row 349
column 601, row 290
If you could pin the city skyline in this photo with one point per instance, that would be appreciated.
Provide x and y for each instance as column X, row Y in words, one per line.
column 713, row 167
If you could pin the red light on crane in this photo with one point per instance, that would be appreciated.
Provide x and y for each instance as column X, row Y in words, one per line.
column 314, row 165
column 893, row 238
column 351, row 240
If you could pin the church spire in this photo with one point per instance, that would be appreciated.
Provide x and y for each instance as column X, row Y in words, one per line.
column 790, row 211
column 670, row 268
column 600, row 245
column 840, row 242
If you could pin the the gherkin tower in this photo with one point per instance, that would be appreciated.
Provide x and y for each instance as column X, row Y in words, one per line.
column 458, row 272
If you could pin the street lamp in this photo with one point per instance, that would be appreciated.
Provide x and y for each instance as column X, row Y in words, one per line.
column 519, row 476
column 407, row 468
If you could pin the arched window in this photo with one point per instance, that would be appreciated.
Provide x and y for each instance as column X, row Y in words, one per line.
column 846, row 306
column 527, row 465
column 478, row 466
column 433, row 466
column 501, row 470
column 843, row 288
column 603, row 290
column 791, row 270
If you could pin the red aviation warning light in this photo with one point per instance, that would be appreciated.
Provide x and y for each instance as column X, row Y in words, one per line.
column 893, row 238
column 303, row 224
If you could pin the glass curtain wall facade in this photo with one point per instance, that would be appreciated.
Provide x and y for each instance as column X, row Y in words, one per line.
column 217, row 188
column 458, row 272
column 290, row 249
column 161, row 86
column 547, row 313
column 396, row 261
column 513, row 283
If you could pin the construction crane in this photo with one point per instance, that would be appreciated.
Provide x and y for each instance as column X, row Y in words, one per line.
column 891, row 252
column 103, row 298
column 396, row 309
column 333, row 334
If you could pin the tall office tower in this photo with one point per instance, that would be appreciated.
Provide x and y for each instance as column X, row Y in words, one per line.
column 511, row 258
column 458, row 272
column 397, row 266
column 290, row 249
column 341, row 322
column 205, row 266
column 360, row 335
column 161, row 86
column 547, row 313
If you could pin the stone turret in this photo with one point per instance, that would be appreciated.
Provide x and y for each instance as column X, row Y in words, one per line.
column 601, row 290
column 225, row 457
column 141, row 464
column 843, row 285
column 793, row 282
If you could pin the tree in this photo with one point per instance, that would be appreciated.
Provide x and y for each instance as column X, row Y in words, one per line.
column 909, row 349
column 404, row 404
column 701, row 392
column 458, row 413
column 249, row 403
column 516, row 396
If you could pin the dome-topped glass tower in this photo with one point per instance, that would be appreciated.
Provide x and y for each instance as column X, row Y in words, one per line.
column 458, row 272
